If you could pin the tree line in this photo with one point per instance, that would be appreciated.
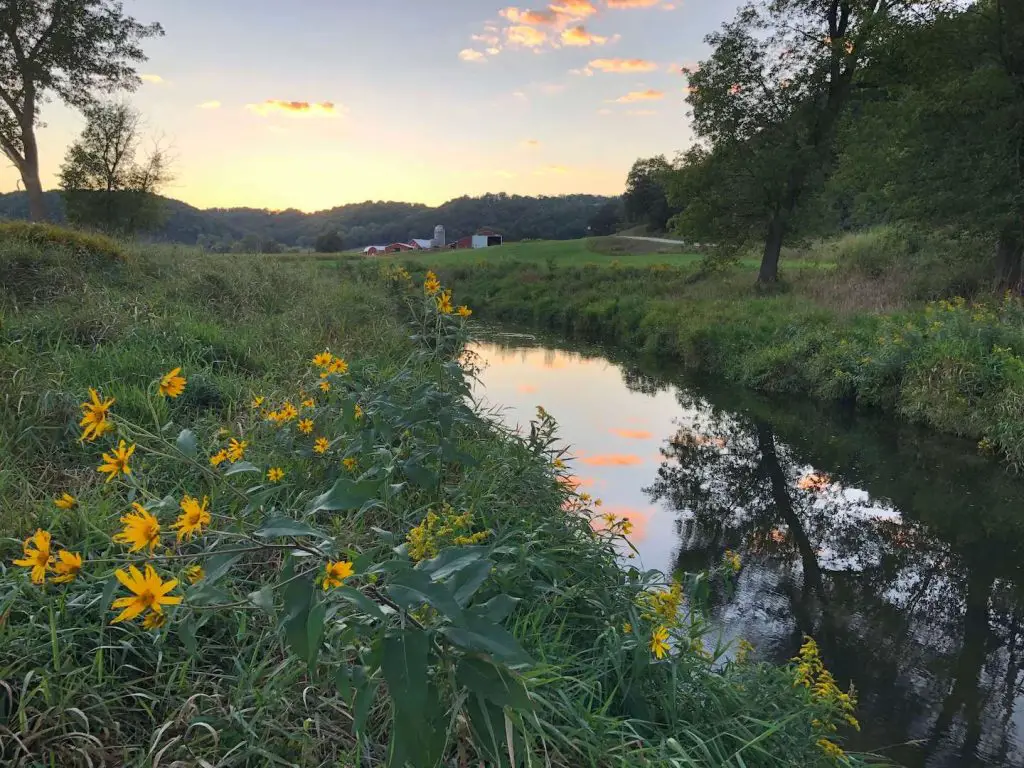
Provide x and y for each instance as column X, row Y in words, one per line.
column 821, row 116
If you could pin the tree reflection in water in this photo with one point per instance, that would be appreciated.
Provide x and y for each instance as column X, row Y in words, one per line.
column 910, row 586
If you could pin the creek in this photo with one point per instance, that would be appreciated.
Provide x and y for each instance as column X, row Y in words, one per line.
column 899, row 550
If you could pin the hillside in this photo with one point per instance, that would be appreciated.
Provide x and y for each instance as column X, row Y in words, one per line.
column 360, row 224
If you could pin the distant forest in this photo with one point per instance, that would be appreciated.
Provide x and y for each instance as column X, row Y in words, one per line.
column 361, row 224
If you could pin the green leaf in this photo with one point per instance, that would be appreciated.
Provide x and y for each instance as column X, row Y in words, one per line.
column 241, row 467
column 263, row 599
column 477, row 634
column 360, row 601
column 315, row 633
column 498, row 608
column 285, row 526
column 404, row 664
column 186, row 629
column 410, row 589
column 346, row 494
column 218, row 565
column 450, row 560
column 488, row 723
column 365, row 694
column 468, row 580
column 496, row 684
column 298, row 599
column 187, row 443
column 420, row 475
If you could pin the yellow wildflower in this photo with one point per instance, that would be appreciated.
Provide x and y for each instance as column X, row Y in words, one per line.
column 37, row 555
column 323, row 359
column 309, row 403
column 831, row 749
column 431, row 285
column 325, row 386
column 149, row 592
column 66, row 501
column 321, row 445
column 116, row 462
column 172, row 384
column 627, row 628
column 257, row 401
column 195, row 574
column 193, row 517
column 627, row 526
column 94, row 421
column 558, row 464
column 306, row 426
column 141, row 529
column 350, row 463
column 335, row 573
column 338, row 365
column 219, row 458
column 154, row 620
column 67, row 567
column 444, row 303
column 236, row 449
column 275, row 474
column 732, row 560
column 288, row 411
column 659, row 642
column 359, row 412
column 464, row 311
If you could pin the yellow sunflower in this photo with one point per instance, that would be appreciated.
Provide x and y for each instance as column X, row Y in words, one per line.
column 193, row 517
column 172, row 383
column 37, row 555
column 116, row 462
column 149, row 593
column 141, row 529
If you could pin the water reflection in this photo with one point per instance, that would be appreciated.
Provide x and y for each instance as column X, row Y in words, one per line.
column 899, row 550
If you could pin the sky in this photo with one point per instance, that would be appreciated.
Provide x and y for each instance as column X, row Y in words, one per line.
column 319, row 103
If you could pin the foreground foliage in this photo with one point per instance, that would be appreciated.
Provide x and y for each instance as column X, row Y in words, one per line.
column 310, row 557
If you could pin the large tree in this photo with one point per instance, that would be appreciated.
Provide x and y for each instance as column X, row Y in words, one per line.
column 104, row 185
column 645, row 200
column 768, row 100
column 70, row 50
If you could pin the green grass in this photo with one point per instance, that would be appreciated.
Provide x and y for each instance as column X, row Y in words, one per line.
column 258, row 666
column 857, row 332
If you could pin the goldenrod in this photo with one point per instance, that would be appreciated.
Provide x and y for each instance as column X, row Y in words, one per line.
column 149, row 593
column 141, row 529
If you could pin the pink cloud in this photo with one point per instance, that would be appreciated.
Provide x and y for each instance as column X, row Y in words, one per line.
column 612, row 460
column 632, row 434
column 623, row 65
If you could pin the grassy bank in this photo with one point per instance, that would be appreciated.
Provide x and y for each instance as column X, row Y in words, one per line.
column 862, row 331
column 358, row 568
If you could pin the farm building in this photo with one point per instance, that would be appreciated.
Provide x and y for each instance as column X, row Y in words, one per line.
column 484, row 238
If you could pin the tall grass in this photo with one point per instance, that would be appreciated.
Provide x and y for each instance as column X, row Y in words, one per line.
column 226, row 687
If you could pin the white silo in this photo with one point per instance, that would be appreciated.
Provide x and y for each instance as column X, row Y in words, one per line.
column 439, row 241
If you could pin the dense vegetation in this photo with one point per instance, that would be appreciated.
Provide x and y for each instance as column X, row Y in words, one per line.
column 817, row 118
column 251, row 230
column 472, row 606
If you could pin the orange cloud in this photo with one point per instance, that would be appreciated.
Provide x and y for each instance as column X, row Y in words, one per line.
column 632, row 434
column 579, row 482
column 612, row 460
column 578, row 36
column 527, row 37
column 517, row 16
column 468, row 54
column 632, row 3
column 638, row 517
column 577, row 9
column 627, row 66
column 526, row 389
column 649, row 95
column 294, row 108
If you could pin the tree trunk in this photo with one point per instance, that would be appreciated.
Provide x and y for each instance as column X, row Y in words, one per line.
column 30, row 172
column 1009, row 255
column 769, row 272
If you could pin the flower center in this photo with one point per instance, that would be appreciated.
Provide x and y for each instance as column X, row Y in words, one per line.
column 147, row 598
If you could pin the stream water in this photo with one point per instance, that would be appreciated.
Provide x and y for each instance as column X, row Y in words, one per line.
column 901, row 551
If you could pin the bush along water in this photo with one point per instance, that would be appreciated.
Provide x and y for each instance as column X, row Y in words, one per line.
column 954, row 364
column 361, row 569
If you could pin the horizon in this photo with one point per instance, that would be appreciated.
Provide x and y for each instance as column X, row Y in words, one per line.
column 333, row 106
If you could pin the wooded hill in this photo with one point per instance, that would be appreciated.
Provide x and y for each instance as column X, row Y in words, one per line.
column 360, row 224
